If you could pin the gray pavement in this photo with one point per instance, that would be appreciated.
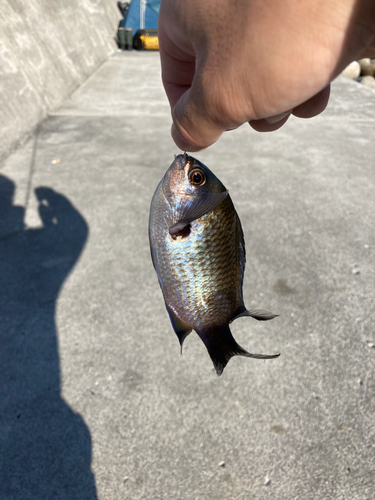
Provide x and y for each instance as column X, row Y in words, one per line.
column 96, row 401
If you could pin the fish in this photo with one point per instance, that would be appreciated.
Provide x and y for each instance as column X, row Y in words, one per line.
column 198, row 252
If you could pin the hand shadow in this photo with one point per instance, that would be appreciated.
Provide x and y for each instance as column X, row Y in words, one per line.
column 45, row 447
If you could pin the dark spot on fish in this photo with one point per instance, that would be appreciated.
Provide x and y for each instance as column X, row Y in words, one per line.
column 182, row 230
column 283, row 288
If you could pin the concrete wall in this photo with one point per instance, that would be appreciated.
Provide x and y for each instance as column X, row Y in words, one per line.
column 47, row 49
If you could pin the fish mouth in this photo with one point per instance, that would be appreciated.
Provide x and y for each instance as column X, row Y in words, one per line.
column 175, row 185
column 182, row 160
column 172, row 179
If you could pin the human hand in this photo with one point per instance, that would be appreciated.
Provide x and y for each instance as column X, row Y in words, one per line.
column 257, row 61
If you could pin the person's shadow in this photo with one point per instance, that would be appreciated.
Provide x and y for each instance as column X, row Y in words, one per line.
column 45, row 447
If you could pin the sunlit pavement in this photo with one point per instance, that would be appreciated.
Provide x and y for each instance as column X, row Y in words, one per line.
column 96, row 400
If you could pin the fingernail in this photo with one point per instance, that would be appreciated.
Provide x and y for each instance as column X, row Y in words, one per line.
column 277, row 118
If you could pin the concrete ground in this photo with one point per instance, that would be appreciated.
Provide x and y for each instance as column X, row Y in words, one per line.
column 95, row 400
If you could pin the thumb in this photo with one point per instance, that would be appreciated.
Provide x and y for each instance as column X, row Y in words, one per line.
column 195, row 126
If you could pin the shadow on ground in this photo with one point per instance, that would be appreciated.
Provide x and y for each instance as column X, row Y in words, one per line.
column 45, row 448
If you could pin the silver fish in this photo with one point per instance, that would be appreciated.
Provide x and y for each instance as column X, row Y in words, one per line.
column 198, row 251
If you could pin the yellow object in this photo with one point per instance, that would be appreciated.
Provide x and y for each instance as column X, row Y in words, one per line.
column 150, row 42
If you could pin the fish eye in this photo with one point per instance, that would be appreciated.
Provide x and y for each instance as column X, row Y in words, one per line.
column 197, row 177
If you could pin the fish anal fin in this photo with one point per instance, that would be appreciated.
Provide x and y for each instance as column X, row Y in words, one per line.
column 181, row 329
column 221, row 346
column 258, row 314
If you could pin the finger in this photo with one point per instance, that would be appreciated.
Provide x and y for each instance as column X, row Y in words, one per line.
column 196, row 124
column 313, row 106
column 270, row 124
column 178, row 72
column 369, row 51
column 177, row 66
column 183, row 144
column 177, row 77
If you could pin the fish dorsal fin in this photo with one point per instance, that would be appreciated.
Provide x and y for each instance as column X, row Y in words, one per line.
column 181, row 329
column 259, row 314
column 195, row 207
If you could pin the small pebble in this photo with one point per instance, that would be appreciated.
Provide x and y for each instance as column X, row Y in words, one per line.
column 353, row 70
column 267, row 481
column 222, row 464
column 366, row 67
column 356, row 271
column 368, row 81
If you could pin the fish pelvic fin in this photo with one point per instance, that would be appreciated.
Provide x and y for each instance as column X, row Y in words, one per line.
column 221, row 346
column 181, row 329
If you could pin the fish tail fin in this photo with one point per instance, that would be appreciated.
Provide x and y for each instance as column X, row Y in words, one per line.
column 221, row 346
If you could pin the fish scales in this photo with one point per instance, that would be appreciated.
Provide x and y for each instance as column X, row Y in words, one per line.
column 202, row 287
column 198, row 252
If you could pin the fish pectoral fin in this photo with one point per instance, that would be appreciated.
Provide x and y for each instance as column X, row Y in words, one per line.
column 221, row 346
column 259, row 314
column 195, row 207
column 181, row 329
